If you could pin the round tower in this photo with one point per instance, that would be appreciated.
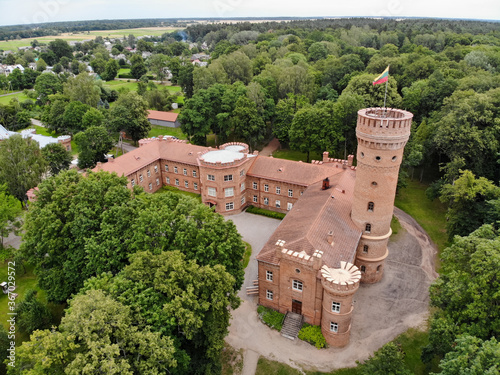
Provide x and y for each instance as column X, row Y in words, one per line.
column 382, row 135
column 339, row 286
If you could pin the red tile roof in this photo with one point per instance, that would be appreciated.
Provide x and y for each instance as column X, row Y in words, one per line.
column 162, row 116
column 291, row 171
column 305, row 228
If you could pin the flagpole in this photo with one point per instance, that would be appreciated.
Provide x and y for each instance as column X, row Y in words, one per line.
column 385, row 96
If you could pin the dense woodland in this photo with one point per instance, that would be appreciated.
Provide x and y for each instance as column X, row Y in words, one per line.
column 301, row 82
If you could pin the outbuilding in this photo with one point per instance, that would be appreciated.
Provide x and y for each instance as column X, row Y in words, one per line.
column 163, row 118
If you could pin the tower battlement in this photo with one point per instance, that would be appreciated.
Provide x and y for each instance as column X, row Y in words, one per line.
column 299, row 257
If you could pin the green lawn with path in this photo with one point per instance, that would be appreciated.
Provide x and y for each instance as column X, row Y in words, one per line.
column 7, row 98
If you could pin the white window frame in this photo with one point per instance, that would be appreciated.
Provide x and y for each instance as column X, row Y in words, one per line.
column 186, row 184
column 242, row 187
column 242, row 173
column 195, row 186
column 168, row 180
column 335, row 307
column 266, row 201
column 266, row 187
column 269, row 295
column 229, row 192
column 166, row 167
column 150, row 186
column 255, row 186
column 175, row 169
column 290, row 193
column 184, row 171
column 255, row 199
column 156, row 169
column 229, row 206
column 176, row 182
column 278, row 204
column 242, row 200
column 228, row 177
column 278, row 190
column 132, row 182
column 194, row 173
column 289, row 206
column 157, row 181
column 297, row 285
column 140, row 178
column 211, row 191
column 149, row 173
column 210, row 177
column 269, row 275
column 334, row 327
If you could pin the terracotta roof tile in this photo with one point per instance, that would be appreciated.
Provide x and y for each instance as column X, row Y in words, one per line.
column 291, row 171
column 306, row 226
column 162, row 115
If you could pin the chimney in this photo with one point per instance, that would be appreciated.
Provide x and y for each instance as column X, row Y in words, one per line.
column 329, row 237
column 325, row 157
column 326, row 184
column 350, row 159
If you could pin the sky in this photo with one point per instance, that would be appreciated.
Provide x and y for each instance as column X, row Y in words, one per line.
column 13, row 12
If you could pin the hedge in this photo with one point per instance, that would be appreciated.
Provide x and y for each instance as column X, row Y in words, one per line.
column 313, row 335
column 264, row 212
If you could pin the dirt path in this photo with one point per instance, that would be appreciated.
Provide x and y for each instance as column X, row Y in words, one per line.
column 270, row 148
column 382, row 311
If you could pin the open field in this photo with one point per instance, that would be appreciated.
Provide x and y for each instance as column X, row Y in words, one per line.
column 156, row 31
column 7, row 98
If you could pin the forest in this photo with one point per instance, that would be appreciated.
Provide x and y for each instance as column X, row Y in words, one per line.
column 301, row 82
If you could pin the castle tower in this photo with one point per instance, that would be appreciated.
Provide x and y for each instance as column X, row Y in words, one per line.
column 382, row 135
column 339, row 286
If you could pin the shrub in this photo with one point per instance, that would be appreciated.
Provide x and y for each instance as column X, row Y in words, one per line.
column 271, row 317
column 264, row 212
column 313, row 335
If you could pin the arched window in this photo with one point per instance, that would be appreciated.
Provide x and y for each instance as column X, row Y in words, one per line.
column 370, row 206
column 368, row 228
column 363, row 269
column 379, row 268
column 365, row 249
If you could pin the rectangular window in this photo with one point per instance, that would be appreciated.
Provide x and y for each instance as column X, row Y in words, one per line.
column 269, row 295
column 290, row 193
column 334, row 327
column 242, row 173
column 255, row 185
column 255, row 199
column 336, row 307
column 242, row 200
column 266, row 187
column 132, row 182
column 186, row 184
column 212, row 192
column 185, row 172
column 266, row 201
column 229, row 192
column 175, row 169
column 140, row 178
column 194, row 173
column 229, row 206
column 157, row 181
column 228, row 177
column 210, row 177
column 156, row 169
column 149, row 173
column 166, row 168
column 297, row 285
column 278, row 190
column 289, row 206
column 176, row 182
column 195, row 185
column 150, row 186
column 168, row 180
column 278, row 204
column 269, row 275
column 242, row 186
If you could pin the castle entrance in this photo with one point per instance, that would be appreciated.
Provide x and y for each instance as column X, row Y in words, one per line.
column 296, row 307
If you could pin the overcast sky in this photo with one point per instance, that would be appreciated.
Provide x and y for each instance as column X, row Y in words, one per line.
column 34, row 11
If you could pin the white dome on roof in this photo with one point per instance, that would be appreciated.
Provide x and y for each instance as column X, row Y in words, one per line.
column 222, row 156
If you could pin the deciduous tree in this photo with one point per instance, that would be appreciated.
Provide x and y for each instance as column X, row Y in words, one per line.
column 57, row 157
column 93, row 143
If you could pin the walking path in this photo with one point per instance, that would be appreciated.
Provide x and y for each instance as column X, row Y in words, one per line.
column 382, row 311
column 270, row 148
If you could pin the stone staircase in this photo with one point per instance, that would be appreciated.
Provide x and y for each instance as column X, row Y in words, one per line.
column 291, row 325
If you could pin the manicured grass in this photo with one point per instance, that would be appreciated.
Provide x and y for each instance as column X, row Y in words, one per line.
column 247, row 255
column 430, row 215
column 6, row 99
column 157, row 130
column 395, row 225
column 267, row 367
column 296, row 155
column 343, row 371
column 118, row 84
column 173, row 189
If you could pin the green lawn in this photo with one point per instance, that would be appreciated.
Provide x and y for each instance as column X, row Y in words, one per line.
column 157, row 130
column 6, row 99
column 430, row 215
column 44, row 131
column 118, row 84
column 247, row 255
column 266, row 367
column 296, row 155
